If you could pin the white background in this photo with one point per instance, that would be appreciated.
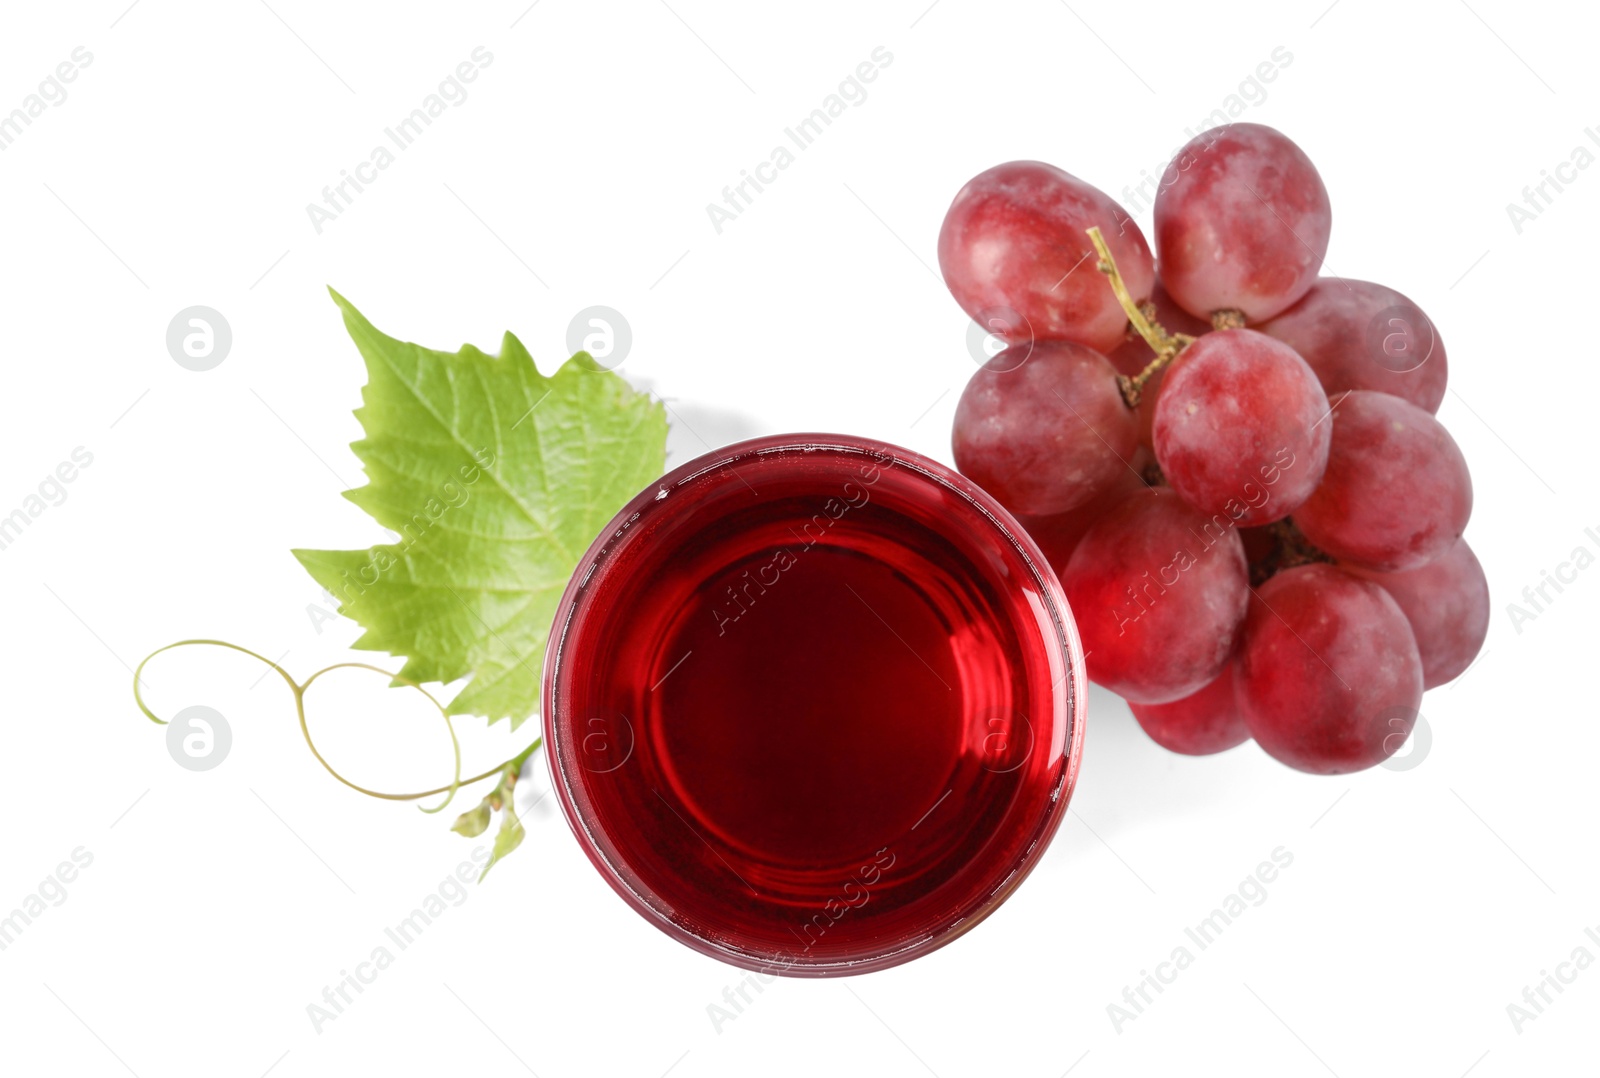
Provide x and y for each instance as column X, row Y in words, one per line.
column 219, row 904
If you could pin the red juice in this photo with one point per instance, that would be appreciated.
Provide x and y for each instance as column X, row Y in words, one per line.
column 814, row 704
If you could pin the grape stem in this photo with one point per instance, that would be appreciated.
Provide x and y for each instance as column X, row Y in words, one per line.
column 1165, row 345
column 1290, row 548
column 1294, row 548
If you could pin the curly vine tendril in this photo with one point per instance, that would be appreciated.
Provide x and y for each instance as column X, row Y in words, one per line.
column 299, row 690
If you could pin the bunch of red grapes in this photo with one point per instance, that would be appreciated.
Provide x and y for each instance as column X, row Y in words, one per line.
column 1230, row 461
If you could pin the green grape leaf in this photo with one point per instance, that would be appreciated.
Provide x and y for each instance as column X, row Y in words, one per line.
column 511, row 832
column 508, row 838
column 473, row 822
column 496, row 478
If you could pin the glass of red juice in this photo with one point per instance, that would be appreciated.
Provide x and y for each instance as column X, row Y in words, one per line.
column 814, row 704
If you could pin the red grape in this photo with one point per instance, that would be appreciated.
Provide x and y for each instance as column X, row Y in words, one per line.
column 1045, row 433
column 1239, row 427
column 1198, row 725
column 1396, row 493
column 1447, row 603
column 1328, row 677
column 1359, row 335
column 1242, row 222
column 1289, row 437
column 1159, row 592
column 1015, row 237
